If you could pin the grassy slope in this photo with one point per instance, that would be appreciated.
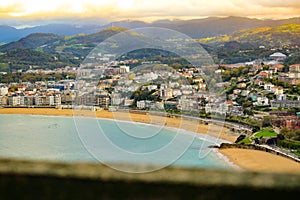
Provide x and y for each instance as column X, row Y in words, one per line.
column 281, row 35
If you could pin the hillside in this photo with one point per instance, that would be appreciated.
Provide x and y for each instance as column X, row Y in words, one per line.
column 195, row 28
column 74, row 49
column 33, row 41
column 10, row 34
column 266, row 36
column 207, row 27
column 25, row 58
column 69, row 46
column 52, row 51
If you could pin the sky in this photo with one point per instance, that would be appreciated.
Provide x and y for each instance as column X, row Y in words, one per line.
column 146, row 10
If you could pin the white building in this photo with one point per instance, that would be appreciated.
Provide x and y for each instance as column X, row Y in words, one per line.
column 124, row 69
column 268, row 87
column 278, row 56
column 262, row 101
column 116, row 99
column 143, row 104
column 3, row 91
column 16, row 100
column 3, row 100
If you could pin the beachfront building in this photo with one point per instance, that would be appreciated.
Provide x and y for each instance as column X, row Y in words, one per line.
column 103, row 101
column 143, row 104
column 3, row 100
column 68, row 97
column 3, row 91
column 188, row 103
column 16, row 100
column 29, row 100
column 47, row 100
column 116, row 99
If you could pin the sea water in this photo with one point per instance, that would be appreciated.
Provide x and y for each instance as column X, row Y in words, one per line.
column 65, row 139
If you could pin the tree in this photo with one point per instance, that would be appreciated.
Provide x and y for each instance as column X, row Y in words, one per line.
column 240, row 138
column 13, row 88
column 284, row 131
column 287, row 133
column 266, row 121
column 297, row 133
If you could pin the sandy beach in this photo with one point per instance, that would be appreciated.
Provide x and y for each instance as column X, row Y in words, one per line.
column 260, row 161
column 246, row 159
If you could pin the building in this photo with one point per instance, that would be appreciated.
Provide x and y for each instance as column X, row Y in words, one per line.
column 103, row 101
column 278, row 56
column 86, row 100
column 68, row 97
column 143, row 104
column 16, row 100
column 285, row 104
column 294, row 68
column 116, row 99
column 41, row 100
column 29, row 100
column 124, row 69
column 165, row 93
column 3, row 100
column 128, row 102
column 242, row 85
column 188, row 103
column 278, row 90
column 3, row 91
column 268, row 87
column 261, row 101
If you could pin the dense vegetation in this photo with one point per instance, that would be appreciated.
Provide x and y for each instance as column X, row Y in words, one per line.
column 267, row 36
column 24, row 59
column 33, row 77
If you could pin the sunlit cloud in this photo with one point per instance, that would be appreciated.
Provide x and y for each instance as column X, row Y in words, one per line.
column 143, row 9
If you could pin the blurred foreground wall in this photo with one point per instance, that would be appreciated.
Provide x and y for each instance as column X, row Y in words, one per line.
column 48, row 180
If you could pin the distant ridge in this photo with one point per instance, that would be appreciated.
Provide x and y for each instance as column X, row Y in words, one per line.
column 49, row 42
column 195, row 28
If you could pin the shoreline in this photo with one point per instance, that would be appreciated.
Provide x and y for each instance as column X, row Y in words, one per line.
column 241, row 159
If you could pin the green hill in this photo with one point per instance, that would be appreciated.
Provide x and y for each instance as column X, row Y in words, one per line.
column 267, row 36
column 69, row 46
column 50, row 50
column 33, row 41
column 24, row 58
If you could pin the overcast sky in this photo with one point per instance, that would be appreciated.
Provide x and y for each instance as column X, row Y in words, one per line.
column 147, row 10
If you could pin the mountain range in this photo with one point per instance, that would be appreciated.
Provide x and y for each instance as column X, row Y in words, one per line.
column 10, row 34
column 196, row 28
column 54, row 50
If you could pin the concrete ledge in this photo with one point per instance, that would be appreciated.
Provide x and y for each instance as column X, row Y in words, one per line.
column 49, row 180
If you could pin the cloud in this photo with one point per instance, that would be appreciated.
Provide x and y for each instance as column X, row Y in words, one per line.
column 124, row 9
column 277, row 3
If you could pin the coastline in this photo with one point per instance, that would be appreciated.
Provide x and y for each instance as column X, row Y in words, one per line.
column 243, row 159
column 259, row 161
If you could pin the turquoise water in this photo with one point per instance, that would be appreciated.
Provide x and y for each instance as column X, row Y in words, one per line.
column 90, row 140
